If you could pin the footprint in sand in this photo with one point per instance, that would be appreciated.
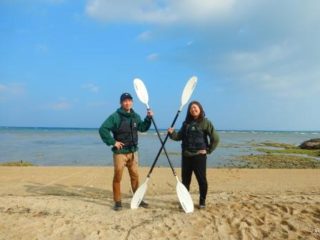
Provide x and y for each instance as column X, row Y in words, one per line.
column 288, row 225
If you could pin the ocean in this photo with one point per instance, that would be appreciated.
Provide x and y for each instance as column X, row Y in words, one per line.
column 83, row 147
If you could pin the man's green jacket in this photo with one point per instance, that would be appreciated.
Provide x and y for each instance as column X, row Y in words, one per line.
column 112, row 123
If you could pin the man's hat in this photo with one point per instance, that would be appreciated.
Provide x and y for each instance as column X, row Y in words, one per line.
column 125, row 96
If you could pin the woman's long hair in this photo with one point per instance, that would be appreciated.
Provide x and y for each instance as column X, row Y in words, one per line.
column 189, row 117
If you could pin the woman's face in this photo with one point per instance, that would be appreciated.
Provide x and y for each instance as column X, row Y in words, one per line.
column 195, row 111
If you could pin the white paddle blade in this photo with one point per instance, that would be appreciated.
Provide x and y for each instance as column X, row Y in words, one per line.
column 188, row 90
column 141, row 90
column 138, row 195
column 184, row 197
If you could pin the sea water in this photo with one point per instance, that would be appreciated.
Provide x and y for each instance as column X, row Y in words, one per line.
column 83, row 147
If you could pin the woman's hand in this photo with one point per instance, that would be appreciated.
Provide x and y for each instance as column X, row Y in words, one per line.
column 202, row 152
column 170, row 130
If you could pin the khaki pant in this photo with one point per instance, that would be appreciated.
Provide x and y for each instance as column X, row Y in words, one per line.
column 129, row 160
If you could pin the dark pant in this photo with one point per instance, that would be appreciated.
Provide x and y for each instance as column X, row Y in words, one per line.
column 198, row 165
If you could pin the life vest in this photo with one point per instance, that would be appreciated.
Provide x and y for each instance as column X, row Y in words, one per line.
column 194, row 138
column 127, row 132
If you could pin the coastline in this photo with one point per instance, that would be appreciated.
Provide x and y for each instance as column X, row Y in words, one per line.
column 79, row 147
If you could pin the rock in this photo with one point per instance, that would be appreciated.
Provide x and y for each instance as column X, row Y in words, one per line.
column 311, row 144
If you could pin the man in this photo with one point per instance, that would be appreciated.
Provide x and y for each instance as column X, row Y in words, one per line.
column 124, row 125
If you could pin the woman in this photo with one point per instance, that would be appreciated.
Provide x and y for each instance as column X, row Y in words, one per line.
column 199, row 138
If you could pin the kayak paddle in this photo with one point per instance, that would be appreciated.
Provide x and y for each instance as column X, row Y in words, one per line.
column 183, row 194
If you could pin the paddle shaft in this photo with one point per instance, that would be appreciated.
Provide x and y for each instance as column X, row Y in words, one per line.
column 162, row 146
column 164, row 149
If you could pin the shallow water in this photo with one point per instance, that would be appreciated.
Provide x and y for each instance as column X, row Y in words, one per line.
column 76, row 147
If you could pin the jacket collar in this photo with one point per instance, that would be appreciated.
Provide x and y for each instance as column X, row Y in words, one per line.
column 124, row 113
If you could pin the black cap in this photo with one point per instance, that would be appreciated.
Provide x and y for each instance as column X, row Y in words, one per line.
column 125, row 96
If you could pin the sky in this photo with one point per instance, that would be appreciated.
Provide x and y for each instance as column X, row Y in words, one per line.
column 65, row 63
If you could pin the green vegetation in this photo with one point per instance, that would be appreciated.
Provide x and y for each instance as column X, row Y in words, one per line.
column 16, row 164
column 286, row 149
column 281, row 155
column 279, row 161
column 276, row 145
column 313, row 153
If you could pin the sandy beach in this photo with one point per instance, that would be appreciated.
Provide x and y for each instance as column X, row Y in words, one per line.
column 76, row 203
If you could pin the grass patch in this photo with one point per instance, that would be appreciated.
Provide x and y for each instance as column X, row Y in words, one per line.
column 278, row 161
column 16, row 164
column 277, row 145
column 286, row 149
column 313, row 153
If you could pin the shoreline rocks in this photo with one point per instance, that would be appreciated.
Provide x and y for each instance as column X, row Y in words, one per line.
column 311, row 144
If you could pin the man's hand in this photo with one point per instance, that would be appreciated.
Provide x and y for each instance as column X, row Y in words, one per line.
column 118, row 145
column 149, row 113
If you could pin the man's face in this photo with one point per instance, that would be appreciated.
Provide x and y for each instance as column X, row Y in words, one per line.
column 126, row 104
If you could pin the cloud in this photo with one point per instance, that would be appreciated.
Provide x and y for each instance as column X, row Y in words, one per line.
column 91, row 87
column 61, row 105
column 267, row 57
column 255, row 44
column 259, row 49
column 144, row 36
column 153, row 57
column 189, row 43
column 279, row 70
column 12, row 89
column 97, row 104
column 158, row 11
column 3, row 88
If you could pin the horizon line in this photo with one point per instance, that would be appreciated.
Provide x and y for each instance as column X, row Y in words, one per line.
column 220, row 130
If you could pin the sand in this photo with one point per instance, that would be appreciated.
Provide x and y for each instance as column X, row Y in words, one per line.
column 76, row 203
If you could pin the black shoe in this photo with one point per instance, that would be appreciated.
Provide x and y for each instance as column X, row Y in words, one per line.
column 144, row 204
column 202, row 204
column 117, row 206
